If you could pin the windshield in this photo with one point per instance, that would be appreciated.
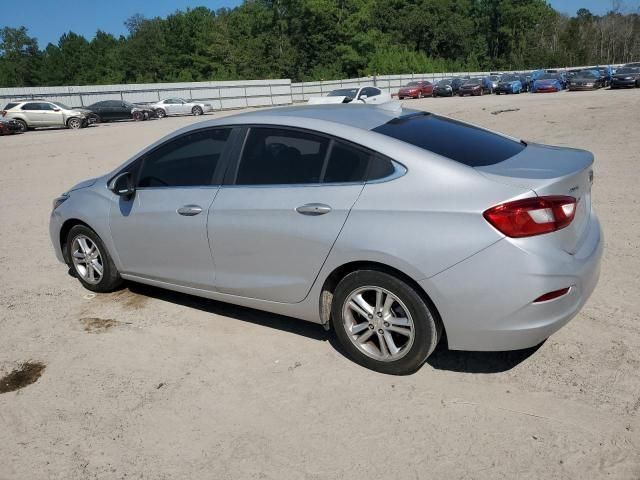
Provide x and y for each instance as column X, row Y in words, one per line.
column 61, row 105
column 444, row 83
column 628, row 70
column 473, row 81
column 587, row 73
column 494, row 78
column 412, row 84
column 344, row 92
column 509, row 78
column 549, row 76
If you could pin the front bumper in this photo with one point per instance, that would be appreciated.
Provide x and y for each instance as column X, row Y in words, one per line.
column 623, row 83
column 579, row 88
column 546, row 89
column 504, row 89
column 486, row 301
column 55, row 225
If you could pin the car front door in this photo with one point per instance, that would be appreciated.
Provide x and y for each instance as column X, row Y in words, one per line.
column 52, row 115
column 273, row 225
column 161, row 231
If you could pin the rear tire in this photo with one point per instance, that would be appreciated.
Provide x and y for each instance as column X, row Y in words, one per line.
column 86, row 256
column 400, row 332
column 137, row 116
column 196, row 111
column 23, row 126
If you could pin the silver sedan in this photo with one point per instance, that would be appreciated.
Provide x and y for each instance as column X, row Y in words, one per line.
column 395, row 228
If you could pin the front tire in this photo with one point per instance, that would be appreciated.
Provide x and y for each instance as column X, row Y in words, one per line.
column 196, row 111
column 74, row 123
column 383, row 323
column 90, row 260
column 161, row 113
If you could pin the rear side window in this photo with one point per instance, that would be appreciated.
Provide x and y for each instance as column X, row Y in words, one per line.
column 346, row 164
column 187, row 161
column 9, row 106
column 32, row 106
column 274, row 156
column 463, row 143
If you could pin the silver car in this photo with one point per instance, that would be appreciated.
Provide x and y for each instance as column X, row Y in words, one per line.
column 180, row 106
column 393, row 227
column 40, row 113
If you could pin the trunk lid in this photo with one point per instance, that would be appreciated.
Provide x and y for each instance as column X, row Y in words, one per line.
column 552, row 171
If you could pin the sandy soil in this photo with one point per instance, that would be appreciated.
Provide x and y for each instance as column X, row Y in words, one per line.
column 148, row 384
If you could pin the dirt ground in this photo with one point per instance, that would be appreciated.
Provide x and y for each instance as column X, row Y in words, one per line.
column 149, row 384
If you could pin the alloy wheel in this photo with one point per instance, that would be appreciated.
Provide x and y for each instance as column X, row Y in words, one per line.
column 378, row 323
column 87, row 259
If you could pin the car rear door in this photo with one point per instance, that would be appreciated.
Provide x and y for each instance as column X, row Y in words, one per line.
column 273, row 223
column 161, row 232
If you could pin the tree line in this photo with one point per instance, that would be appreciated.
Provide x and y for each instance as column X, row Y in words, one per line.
column 324, row 39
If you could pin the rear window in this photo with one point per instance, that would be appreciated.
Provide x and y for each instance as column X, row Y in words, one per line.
column 463, row 143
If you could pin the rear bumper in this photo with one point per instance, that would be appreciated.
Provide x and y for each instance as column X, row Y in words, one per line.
column 486, row 301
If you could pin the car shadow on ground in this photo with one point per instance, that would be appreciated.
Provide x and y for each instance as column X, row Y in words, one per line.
column 441, row 359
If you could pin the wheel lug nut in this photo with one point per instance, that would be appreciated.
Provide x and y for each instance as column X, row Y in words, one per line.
column 380, row 332
column 386, row 324
column 371, row 326
column 379, row 314
column 370, row 316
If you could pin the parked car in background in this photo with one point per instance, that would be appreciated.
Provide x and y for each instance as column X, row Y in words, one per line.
column 443, row 88
column 448, row 87
column 494, row 79
column 488, row 241
column 366, row 94
column 586, row 80
column 606, row 74
column 417, row 89
column 475, row 87
column 41, row 113
column 547, row 83
column 509, row 83
column 626, row 77
column 631, row 65
column 112, row 110
column 9, row 127
column 180, row 106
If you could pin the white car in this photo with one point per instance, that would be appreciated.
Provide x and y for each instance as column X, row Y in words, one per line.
column 41, row 113
column 180, row 106
column 365, row 94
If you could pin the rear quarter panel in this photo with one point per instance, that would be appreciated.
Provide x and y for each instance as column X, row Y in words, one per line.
column 423, row 222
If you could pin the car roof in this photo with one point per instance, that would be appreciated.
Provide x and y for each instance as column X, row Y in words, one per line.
column 365, row 117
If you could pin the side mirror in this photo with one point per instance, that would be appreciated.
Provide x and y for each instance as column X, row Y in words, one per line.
column 56, row 109
column 122, row 185
column 364, row 97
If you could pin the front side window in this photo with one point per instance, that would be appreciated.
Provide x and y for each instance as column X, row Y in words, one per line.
column 190, row 160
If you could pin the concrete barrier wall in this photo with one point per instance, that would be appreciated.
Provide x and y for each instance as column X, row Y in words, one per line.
column 222, row 95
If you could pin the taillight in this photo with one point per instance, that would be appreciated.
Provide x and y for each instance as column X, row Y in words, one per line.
column 532, row 216
column 3, row 112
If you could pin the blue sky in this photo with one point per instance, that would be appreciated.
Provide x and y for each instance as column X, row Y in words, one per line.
column 48, row 19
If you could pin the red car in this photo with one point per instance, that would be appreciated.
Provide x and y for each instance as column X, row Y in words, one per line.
column 8, row 127
column 418, row 89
